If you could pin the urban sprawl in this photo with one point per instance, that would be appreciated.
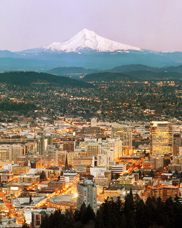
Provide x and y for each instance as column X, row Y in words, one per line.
column 61, row 147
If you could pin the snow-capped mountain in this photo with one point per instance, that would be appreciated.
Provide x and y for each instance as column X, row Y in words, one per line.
column 88, row 50
column 87, row 39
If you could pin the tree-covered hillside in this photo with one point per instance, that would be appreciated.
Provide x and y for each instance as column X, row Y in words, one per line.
column 140, row 75
column 108, row 77
column 33, row 78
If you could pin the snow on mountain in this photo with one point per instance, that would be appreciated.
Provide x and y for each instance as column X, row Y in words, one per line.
column 87, row 39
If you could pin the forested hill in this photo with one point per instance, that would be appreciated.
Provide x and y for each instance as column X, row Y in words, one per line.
column 108, row 77
column 140, row 75
column 35, row 78
column 133, row 67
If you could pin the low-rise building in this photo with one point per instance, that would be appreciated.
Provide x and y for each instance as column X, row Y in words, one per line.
column 126, row 179
column 33, row 160
column 118, row 169
column 114, row 191
column 18, row 170
column 83, row 162
column 56, row 184
column 28, row 178
column 164, row 192
column 63, row 202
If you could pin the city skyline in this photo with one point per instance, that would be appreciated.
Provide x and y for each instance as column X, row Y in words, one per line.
column 149, row 25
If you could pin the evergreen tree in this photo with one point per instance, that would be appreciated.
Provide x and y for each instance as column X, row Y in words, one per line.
column 169, row 208
column 88, row 214
column 119, row 205
column 42, row 176
column 131, row 220
column 107, row 214
column 141, row 218
column 176, row 173
column 123, row 221
column 79, row 213
column 99, row 223
column 111, row 214
column 129, row 203
column 25, row 225
column 45, row 222
column 151, row 211
column 152, row 173
column 69, row 220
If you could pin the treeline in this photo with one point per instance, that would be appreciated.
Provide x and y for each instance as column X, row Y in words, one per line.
column 154, row 213
column 13, row 106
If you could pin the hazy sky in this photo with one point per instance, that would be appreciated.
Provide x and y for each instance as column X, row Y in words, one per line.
column 148, row 24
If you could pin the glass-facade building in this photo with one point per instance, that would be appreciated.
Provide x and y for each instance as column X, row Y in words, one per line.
column 161, row 138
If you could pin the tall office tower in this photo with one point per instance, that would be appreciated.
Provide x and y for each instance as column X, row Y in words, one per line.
column 15, row 151
column 125, row 134
column 176, row 143
column 42, row 145
column 4, row 152
column 93, row 122
column 11, row 152
column 93, row 149
column 50, row 157
column 161, row 137
column 50, row 140
column 87, row 193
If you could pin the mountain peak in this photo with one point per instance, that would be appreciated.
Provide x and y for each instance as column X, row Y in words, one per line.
column 86, row 39
column 86, row 31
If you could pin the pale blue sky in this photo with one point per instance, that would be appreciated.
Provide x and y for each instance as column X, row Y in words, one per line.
column 148, row 24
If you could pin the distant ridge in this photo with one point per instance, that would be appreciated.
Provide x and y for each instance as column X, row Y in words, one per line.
column 133, row 67
column 136, row 72
column 140, row 67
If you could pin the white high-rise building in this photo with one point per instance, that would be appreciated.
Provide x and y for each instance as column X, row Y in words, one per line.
column 111, row 147
column 87, row 193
